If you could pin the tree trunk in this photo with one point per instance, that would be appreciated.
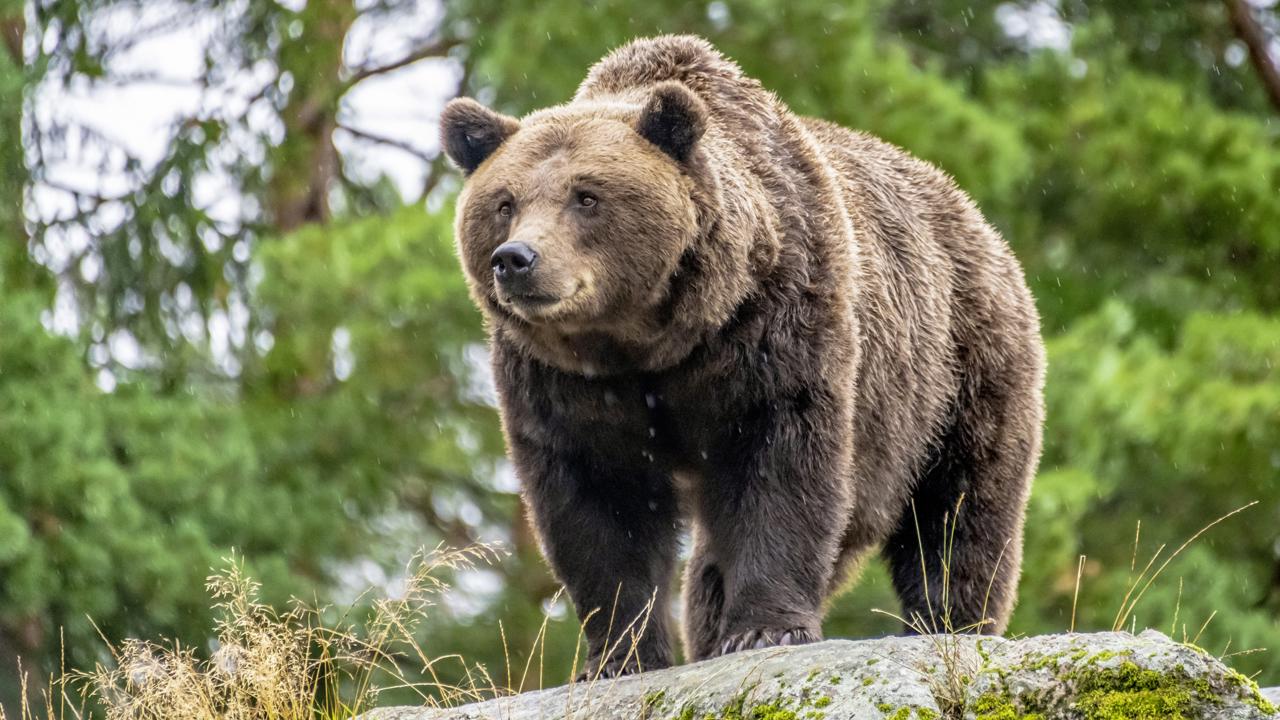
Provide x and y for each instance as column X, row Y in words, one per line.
column 305, row 165
column 1255, row 37
column 16, row 271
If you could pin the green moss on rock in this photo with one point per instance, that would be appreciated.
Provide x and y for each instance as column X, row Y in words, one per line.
column 991, row 706
column 1131, row 693
column 1252, row 695
column 1123, row 692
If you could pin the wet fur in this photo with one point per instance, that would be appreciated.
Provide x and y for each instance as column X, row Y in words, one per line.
column 793, row 333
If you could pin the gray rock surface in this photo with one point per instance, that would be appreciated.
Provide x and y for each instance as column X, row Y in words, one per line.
column 1086, row 676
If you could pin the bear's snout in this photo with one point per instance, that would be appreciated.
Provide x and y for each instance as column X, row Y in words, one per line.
column 512, row 262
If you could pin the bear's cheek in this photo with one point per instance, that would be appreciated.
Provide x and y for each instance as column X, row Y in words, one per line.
column 651, row 243
column 478, row 238
column 628, row 266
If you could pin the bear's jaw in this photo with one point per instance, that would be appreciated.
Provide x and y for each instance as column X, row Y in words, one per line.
column 541, row 307
column 599, row 351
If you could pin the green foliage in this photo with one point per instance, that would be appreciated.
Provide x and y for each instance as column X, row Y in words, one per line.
column 1141, row 191
column 1191, row 435
column 113, row 505
column 366, row 377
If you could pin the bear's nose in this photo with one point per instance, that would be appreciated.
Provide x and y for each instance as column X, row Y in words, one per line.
column 512, row 259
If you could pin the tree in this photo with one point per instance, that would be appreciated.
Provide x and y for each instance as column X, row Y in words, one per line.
column 165, row 246
column 116, row 503
column 1190, row 437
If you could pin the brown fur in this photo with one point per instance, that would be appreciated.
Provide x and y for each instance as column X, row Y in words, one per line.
column 796, row 337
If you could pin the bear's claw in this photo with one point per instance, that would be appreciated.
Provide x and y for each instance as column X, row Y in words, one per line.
column 621, row 664
column 612, row 669
column 767, row 637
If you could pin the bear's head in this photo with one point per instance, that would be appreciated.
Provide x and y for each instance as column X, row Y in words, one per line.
column 578, row 226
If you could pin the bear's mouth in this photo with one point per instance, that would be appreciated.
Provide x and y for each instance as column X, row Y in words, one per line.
column 537, row 305
column 533, row 299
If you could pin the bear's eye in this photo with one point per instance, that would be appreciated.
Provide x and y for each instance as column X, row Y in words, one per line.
column 505, row 209
column 586, row 199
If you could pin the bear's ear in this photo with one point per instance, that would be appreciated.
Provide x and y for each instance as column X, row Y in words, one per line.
column 673, row 119
column 470, row 132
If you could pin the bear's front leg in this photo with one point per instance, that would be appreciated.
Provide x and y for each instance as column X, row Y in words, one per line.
column 770, row 520
column 609, row 530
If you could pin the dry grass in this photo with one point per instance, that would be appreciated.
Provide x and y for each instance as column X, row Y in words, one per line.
column 291, row 665
column 1139, row 585
column 958, row 667
column 271, row 665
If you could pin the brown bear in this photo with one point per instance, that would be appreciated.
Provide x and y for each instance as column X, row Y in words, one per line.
column 793, row 338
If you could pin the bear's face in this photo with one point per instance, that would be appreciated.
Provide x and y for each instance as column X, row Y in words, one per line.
column 575, row 221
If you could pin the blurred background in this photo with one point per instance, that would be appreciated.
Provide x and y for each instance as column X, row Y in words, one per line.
column 231, row 315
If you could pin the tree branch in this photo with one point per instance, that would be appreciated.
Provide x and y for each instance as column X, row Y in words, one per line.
column 430, row 50
column 440, row 164
column 422, row 155
column 435, row 173
column 1252, row 34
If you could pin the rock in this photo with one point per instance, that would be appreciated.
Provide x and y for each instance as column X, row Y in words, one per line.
column 1087, row 676
column 1109, row 675
column 1272, row 694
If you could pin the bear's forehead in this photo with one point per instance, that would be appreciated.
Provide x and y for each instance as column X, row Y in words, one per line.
column 616, row 109
column 554, row 145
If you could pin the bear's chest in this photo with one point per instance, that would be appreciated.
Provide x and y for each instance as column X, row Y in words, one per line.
column 677, row 420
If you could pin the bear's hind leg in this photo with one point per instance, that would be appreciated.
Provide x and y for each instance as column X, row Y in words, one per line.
column 956, row 553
